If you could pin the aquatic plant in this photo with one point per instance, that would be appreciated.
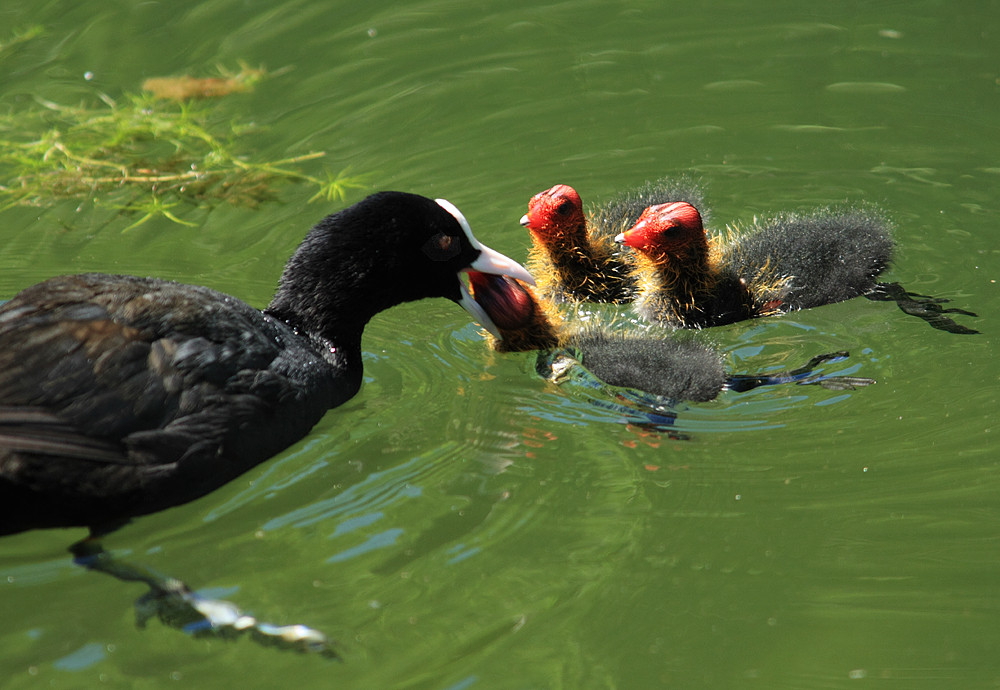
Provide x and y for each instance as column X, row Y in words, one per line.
column 21, row 36
column 149, row 153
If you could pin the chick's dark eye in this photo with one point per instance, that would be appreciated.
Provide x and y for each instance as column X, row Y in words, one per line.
column 442, row 247
column 670, row 231
column 564, row 208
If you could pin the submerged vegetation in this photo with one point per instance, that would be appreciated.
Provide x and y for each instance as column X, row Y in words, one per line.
column 149, row 154
column 20, row 37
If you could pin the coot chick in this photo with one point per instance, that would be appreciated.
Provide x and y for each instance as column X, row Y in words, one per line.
column 663, row 366
column 121, row 396
column 690, row 280
column 577, row 260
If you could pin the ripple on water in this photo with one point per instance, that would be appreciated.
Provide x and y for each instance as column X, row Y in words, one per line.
column 87, row 655
column 733, row 85
column 865, row 87
column 821, row 129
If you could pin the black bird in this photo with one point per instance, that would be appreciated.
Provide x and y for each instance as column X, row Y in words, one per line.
column 121, row 396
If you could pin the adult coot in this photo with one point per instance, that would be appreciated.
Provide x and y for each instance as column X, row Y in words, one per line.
column 687, row 279
column 120, row 396
column 577, row 259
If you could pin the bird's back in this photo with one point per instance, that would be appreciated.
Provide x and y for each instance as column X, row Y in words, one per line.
column 122, row 395
column 828, row 256
column 661, row 365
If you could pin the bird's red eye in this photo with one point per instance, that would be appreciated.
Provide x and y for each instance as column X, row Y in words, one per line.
column 442, row 247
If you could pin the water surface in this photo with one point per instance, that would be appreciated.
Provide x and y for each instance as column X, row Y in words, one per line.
column 462, row 523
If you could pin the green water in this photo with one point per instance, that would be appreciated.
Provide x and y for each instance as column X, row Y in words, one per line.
column 462, row 523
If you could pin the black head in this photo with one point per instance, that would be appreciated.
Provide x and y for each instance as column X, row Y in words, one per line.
column 389, row 248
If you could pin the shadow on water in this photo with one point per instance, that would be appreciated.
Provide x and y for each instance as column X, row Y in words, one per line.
column 924, row 307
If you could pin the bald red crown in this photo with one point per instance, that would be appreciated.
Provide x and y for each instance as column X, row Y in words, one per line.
column 665, row 227
column 556, row 212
